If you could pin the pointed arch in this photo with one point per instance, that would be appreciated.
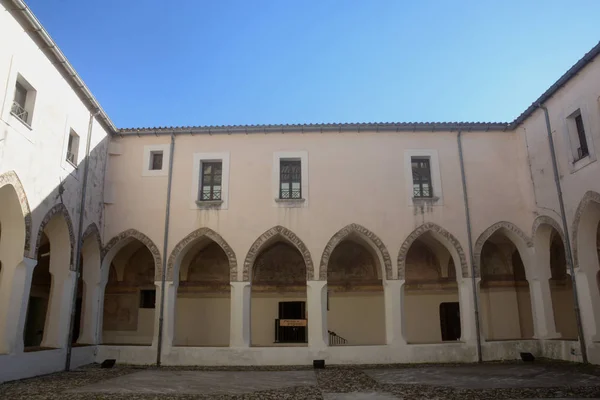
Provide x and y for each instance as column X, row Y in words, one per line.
column 587, row 199
column 11, row 178
column 92, row 230
column 58, row 209
column 546, row 220
column 366, row 234
column 135, row 234
column 267, row 237
column 197, row 235
column 447, row 240
column 512, row 229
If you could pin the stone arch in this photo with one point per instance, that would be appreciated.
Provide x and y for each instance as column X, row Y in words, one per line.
column 546, row 220
column 267, row 237
column 438, row 230
column 92, row 230
column 523, row 239
column 588, row 198
column 11, row 178
column 198, row 234
column 135, row 234
column 370, row 237
column 58, row 209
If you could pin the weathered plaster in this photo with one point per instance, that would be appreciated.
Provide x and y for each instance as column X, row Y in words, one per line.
column 135, row 234
column 430, row 227
column 197, row 235
column 489, row 232
column 11, row 178
column 362, row 232
column 588, row 198
column 58, row 210
column 268, row 237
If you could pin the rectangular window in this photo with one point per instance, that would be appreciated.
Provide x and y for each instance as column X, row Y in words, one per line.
column 23, row 101
column 421, row 173
column 582, row 150
column 148, row 298
column 211, row 180
column 156, row 160
column 290, row 182
column 73, row 147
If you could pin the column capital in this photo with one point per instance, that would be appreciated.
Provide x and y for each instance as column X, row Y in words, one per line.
column 30, row 262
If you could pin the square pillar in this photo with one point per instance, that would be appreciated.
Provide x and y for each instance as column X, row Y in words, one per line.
column 316, row 305
column 239, row 326
column 467, row 299
column 168, row 315
column 58, row 316
column 90, row 312
column 541, row 309
column 393, row 291
column 15, row 294
column 589, row 304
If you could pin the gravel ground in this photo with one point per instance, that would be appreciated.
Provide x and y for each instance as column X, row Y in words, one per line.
column 333, row 379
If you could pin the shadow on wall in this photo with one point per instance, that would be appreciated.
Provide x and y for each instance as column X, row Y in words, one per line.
column 38, row 249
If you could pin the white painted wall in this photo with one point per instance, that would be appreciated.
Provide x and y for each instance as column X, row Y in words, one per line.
column 357, row 317
column 202, row 320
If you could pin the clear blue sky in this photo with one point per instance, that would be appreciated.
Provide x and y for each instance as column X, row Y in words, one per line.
column 201, row 62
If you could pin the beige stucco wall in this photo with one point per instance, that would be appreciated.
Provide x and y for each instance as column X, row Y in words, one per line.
column 142, row 335
column 357, row 317
column 202, row 320
column 564, row 312
column 422, row 314
column 506, row 313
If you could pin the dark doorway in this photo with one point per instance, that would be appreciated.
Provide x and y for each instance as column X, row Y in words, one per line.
column 450, row 321
column 77, row 322
column 36, row 318
column 291, row 325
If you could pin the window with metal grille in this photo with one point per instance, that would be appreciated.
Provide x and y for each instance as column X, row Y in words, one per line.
column 421, row 172
column 156, row 160
column 582, row 150
column 210, row 184
column 23, row 101
column 290, row 186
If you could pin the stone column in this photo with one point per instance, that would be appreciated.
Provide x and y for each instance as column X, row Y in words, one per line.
column 541, row 308
column 393, row 291
column 589, row 304
column 468, row 325
column 316, row 305
column 90, row 312
column 168, row 315
column 56, row 328
column 17, row 301
column 239, row 326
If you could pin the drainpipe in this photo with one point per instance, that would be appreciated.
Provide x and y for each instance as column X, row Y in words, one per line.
column 79, row 241
column 164, row 260
column 470, row 240
column 563, row 216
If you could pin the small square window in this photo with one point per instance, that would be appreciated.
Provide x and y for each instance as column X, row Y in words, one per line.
column 290, row 179
column 23, row 100
column 73, row 148
column 211, row 181
column 148, row 298
column 156, row 160
column 421, row 173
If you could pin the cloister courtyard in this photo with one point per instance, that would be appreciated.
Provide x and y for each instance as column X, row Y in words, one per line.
column 515, row 380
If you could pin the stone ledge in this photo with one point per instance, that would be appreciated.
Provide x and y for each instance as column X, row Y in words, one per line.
column 209, row 204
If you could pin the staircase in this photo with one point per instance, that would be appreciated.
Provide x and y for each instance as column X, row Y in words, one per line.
column 336, row 340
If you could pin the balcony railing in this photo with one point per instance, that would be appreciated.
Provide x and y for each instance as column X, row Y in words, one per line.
column 71, row 157
column 19, row 112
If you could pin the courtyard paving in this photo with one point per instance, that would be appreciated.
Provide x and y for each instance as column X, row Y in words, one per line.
column 540, row 380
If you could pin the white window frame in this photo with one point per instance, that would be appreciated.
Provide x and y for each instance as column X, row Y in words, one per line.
column 149, row 149
column 572, row 138
column 29, row 100
column 436, row 177
column 198, row 159
column 302, row 156
column 18, row 70
column 76, row 148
